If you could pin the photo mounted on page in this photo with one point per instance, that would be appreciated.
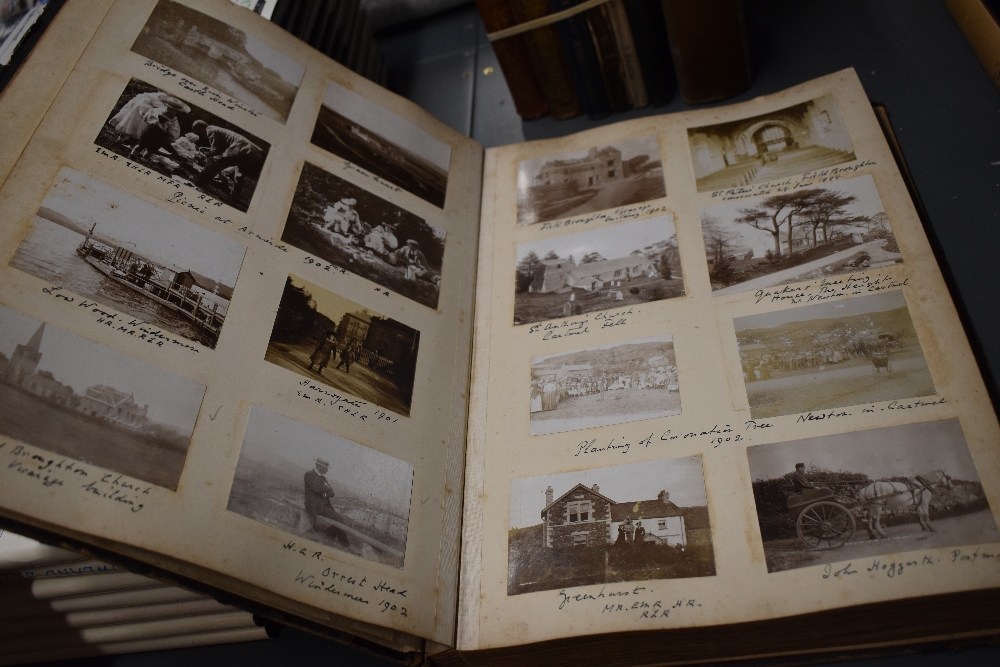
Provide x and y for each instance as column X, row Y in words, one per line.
column 612, row 267
column 323, row 488
column 807, row 234
column 337, row 342
column 100, row 243
column 383, row 144
column 829, row 355
column 595, row 179
column 623, row 523
column 72, row 397
column 353, row 229
column 610, row 384
column 224, row 57
column 772, row 146
column 856, row 496
column 185, row 143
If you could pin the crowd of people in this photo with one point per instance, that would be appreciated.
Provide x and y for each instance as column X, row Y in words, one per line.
column 547, row 393
column 326, row 351
column 762, row 366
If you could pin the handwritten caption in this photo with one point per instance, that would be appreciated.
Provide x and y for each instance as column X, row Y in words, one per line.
column 893, row 569
column 808, row 417
column 579, row 327
column 352, row 407
column 347, row 166
column 381, row 594
column 202, row 91
column 624, row 600
column 137, row 328
column 617, row 215
column 715, row 435
column 68, row 474
column 776, row 187
column 832, row 288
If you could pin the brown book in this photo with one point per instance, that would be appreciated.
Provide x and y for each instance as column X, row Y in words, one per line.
column 547, row 59
column 628, row 58
column 609, row 57
column 981, row 27
column 513, row 57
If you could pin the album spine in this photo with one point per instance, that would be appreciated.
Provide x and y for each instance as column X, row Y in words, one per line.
column 649, row 34
column 513, row 58
column 581, row 56
column 547, row 60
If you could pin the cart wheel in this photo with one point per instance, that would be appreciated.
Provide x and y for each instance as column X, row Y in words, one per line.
column 825, row 525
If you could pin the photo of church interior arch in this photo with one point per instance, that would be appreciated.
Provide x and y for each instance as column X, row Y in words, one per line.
column 625, row 172
column 830, row 355
column 784, row 143
column 67, row 395
column 623, row 523
column 616, row 266
column 337, row 342
column 609, row 384
column 322, row 487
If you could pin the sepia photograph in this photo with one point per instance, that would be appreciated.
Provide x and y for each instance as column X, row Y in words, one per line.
column 612, row 267
column 805, row 234
column 337, row 342
column 857, row 496
column 69, row 396
column 21, row 23
column 830, row 355
column 221, row 56
column 599, row 178
column 784, row 143
column 624, row 523
column 350, row 227
column 610, row 384
column 187, row 144
column 322, row 487
column 100, row 243
column 383, row 143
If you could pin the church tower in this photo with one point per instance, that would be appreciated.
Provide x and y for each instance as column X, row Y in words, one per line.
column 26, row 357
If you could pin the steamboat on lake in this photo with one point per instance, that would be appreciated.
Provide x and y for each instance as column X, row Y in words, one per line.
column 199, row 300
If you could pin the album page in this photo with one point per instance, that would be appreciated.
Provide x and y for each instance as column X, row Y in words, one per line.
column 717, row 378
column 235, row 321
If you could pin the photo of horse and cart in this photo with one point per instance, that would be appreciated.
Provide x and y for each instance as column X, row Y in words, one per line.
column 869, row 493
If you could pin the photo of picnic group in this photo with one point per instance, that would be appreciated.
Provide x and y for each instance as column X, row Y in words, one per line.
column 610, row 384
column 623, row 523
column 350, row 227
column 335, row 341
column 616, row 266
column 222, row 56
column 72, row 397
column 595, row 179
column 805, row 234
column 829, row 355
column 185, row 143
column 100, row 243
column 322, row 487
column 853, row 496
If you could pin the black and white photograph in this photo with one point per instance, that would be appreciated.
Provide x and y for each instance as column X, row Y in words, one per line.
column 337, row 342
column 830, row 355
column 224, row 57
column 161, row 132
column 596, row 179
column 612, row 267
column 350, row 227
column 383, row 144
column 804, row 137
column 100, row 243
column 856, row 496
column 21, row 24
column 609, row 384
column 322, row 487
column 69, row 396
column 633, row 522
column 804, row 234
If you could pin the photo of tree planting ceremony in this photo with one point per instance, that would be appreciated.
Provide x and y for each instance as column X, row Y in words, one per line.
column 623, row 523
column 805, row 234
column 856, row 496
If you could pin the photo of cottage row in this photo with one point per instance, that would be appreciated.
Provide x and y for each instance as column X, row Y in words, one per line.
column 612, row 267
column 72, row 397
column 585, row 536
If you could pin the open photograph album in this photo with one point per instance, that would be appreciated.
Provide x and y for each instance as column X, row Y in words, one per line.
column 273, row 331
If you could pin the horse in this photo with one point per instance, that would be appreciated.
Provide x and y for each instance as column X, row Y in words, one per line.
column 916, row 492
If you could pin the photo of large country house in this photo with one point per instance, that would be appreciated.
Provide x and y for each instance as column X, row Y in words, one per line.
column 594, row 179
column 791, row 141
column 589, row 535
column 72, row 397
column 616, row 266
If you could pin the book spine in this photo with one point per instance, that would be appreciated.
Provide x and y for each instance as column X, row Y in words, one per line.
column 62, row 570
column 649, row 34
column 581, row 56
column 981, row 30
column 709, row 48
column 628, row 59
column 547, row 60
column 612, row 72
column 513, row 58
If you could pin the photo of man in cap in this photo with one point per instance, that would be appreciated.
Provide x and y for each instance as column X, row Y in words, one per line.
column 318, row 493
